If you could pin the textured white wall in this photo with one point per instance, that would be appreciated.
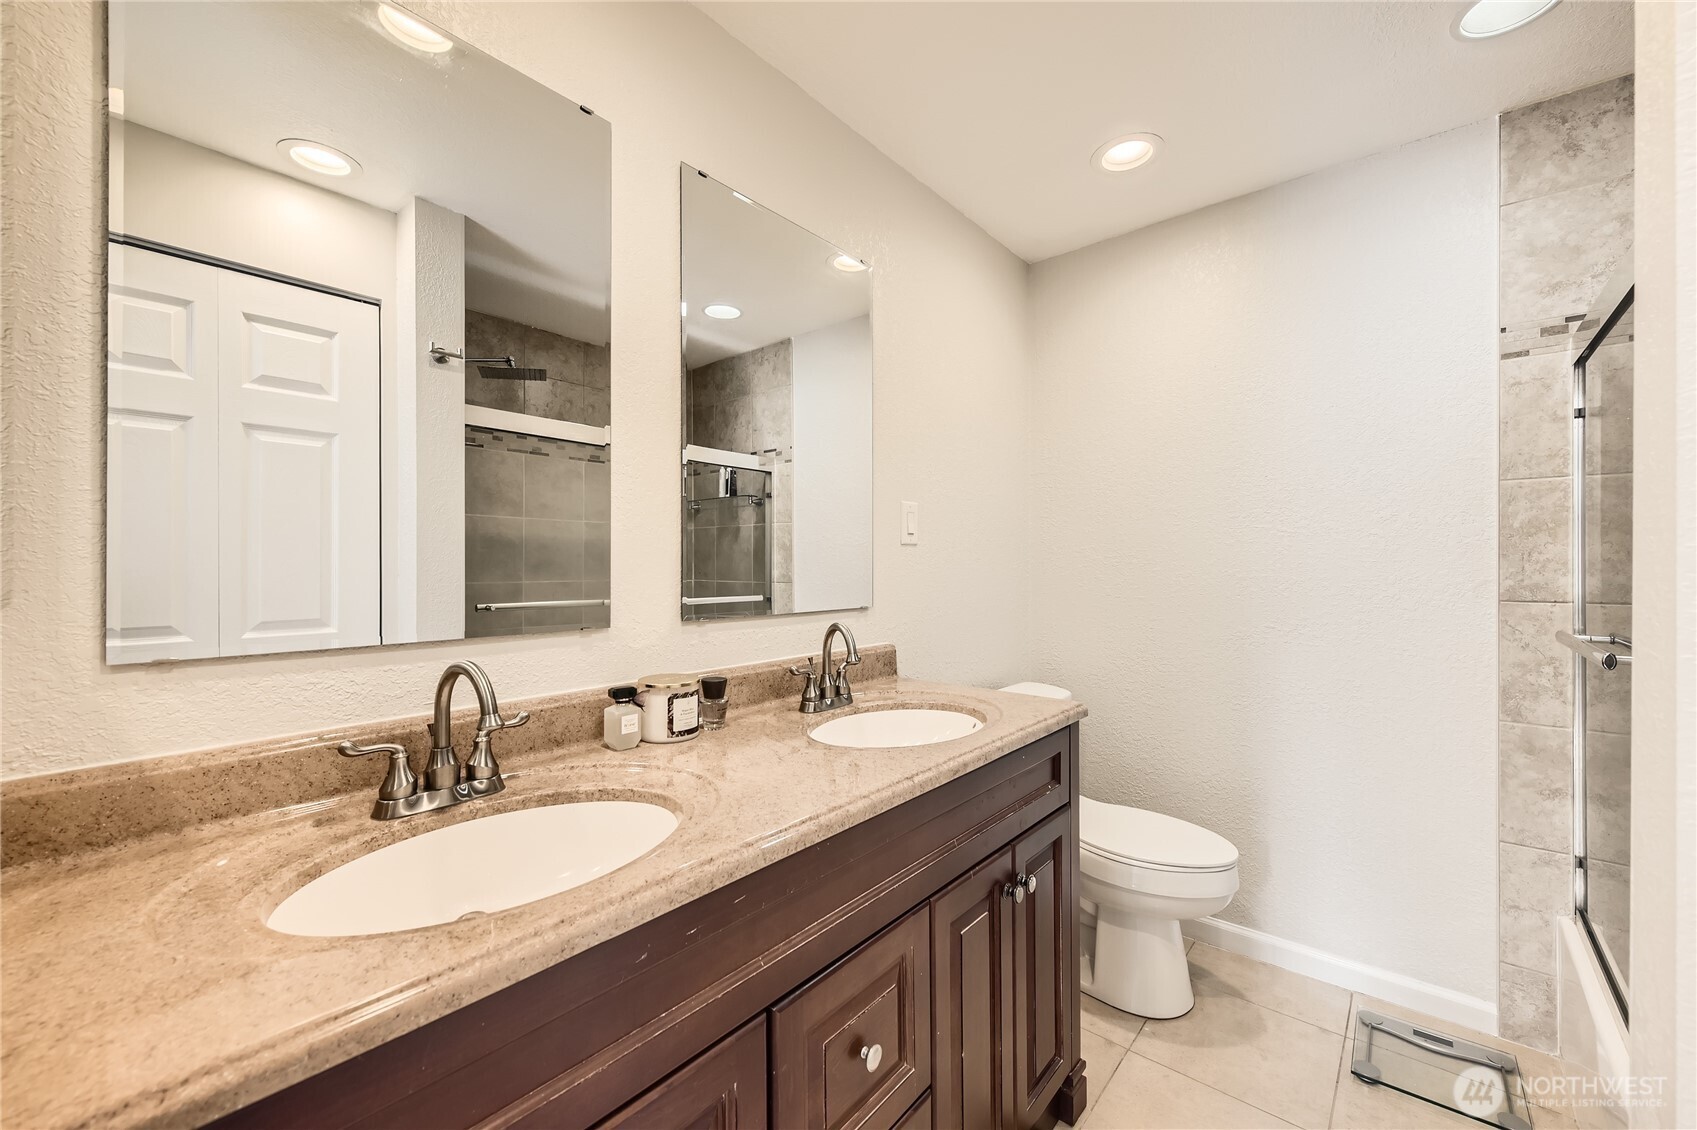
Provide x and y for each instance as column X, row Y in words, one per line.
column 428, row 421
column 831, row 395
column 949, row 306
column 1664, row 570
column 1266, row 542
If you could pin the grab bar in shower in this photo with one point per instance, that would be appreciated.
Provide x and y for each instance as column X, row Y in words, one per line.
column 544, row 604
column 1598, row 649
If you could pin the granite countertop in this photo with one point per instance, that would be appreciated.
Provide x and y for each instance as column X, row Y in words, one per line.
column 141, row 986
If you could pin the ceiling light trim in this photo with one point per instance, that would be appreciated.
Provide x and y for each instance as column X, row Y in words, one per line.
column 310, row 155
column 1522, row 11
column 410, row 31
column 1134, row 150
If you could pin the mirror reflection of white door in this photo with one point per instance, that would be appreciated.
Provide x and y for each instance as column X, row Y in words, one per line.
column 299, row 527
column 242, row 468
column 161, row 458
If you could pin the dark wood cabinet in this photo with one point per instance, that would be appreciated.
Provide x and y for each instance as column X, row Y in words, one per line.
column 724, row 1088
column 1004, row 962
column 852, row 1048
column 972, row 969
column 1045, row 973
column 902, row 932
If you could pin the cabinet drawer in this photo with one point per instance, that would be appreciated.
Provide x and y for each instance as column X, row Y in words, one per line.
column 724, row 1088
column 852, row 1048
column 918, row 1116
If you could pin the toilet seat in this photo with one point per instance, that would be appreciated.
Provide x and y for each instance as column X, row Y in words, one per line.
column 1150, row 840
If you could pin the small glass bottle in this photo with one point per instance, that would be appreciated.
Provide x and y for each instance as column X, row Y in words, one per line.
column 621, row 723
column 713, row 701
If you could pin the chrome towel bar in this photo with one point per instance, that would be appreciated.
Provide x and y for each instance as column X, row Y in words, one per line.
column 544, row 604
column 1598, row 649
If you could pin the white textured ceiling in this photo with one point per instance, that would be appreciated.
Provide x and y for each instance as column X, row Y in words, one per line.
column 998, row 106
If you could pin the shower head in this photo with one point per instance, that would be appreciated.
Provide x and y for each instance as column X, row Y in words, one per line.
column 505, row 369
column 511, row 373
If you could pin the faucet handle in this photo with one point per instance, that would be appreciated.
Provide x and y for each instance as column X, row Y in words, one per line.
column 809, row 693
column 400, row 782
column 519, row 718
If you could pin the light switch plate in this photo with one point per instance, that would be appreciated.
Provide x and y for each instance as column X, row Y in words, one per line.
column 910, row 523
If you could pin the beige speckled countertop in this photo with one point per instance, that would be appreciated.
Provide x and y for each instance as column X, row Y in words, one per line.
column 141, row 986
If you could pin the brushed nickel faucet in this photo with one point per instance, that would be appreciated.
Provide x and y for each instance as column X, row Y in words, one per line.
column 400, row 795
column 827, row 689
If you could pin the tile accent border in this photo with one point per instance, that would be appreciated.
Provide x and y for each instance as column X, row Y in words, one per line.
column 62, row 814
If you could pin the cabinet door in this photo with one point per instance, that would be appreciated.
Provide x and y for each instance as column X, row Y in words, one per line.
column 724, row 1088
column 972, row 972
column 852, row 1048
column 1044, row 967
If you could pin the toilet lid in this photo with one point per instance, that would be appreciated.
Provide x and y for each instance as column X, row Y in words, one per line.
column 1137, row 836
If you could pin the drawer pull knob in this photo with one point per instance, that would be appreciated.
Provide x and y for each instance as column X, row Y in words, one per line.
column 873, row 1054
column 1031, row 884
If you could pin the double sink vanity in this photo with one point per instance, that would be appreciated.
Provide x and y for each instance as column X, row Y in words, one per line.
column 864, row 917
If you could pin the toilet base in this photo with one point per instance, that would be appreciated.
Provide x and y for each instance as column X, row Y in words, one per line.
column 1140, row 966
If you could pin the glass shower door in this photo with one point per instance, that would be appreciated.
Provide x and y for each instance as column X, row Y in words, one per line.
column 1603, row 629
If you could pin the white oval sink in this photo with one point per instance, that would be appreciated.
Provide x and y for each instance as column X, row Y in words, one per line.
column 892, row 729
column 481, row 865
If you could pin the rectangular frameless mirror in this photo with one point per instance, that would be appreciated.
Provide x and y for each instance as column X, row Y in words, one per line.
column 777, row 446
column 357, row 368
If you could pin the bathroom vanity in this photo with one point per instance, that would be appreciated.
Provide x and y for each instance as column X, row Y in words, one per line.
column 877, row 937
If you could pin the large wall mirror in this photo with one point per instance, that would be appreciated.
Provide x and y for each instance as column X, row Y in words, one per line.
column 357, row 369
column 777, row 444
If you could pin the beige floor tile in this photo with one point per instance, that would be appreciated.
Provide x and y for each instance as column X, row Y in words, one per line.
column 1101, row 1059
column 1107, row 1021
column 1144, row 1095
column 1365, row 1106
column 1271, row 1061
column 1216, row 970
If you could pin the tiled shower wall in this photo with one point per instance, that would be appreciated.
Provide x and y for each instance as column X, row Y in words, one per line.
column 1565, row 220
column 579, row 384
column 746, row 403
column 537, row 510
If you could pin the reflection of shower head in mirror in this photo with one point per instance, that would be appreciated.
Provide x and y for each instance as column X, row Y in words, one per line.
column 511, row 372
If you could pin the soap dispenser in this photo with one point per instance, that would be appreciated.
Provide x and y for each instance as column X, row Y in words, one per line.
column 621, row 723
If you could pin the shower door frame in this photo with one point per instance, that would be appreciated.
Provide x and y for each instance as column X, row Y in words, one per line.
column 1581, row 851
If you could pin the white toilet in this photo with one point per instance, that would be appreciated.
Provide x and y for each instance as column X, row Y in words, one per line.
column 1145, row 873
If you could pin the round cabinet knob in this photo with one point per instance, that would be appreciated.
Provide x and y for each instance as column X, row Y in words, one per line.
column 873, row 1054
column 1031, row 884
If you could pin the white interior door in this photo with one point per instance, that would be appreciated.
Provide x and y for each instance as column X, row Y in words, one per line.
column 161, row 457
column 299, row 533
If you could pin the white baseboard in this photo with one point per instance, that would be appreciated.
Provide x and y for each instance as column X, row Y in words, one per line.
column 1393, row 988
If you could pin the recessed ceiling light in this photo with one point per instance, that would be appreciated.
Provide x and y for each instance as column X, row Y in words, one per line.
column 1126, row 152
column 318, row 157
column 721, row 310
column 412, row 31
column 843, row 262
column 1497, row 17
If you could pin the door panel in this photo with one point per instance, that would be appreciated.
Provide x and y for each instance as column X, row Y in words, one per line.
column 299, row 531
column 162, row 458
column 971, row 970
column 1042, row 962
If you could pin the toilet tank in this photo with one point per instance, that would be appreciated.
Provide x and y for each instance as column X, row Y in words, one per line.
column 1041, row 690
